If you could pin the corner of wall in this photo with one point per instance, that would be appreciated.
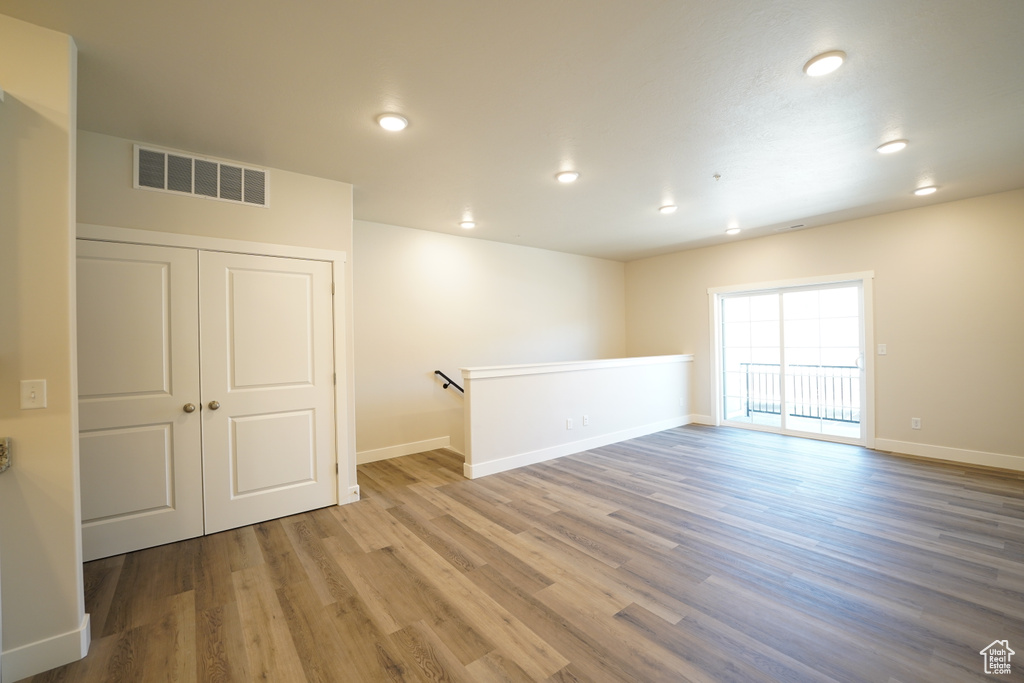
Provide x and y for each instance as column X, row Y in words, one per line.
column 40, row 542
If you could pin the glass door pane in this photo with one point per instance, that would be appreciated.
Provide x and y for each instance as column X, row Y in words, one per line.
column 751, row 388
column 823, row 357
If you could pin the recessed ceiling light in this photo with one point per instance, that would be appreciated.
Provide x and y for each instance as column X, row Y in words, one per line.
column 568, row 176
column 825, row 63
column 922, row 191
column 668, row 208
column 392, row 122
column 467, row 225
column 732, row 231
column 892, row 146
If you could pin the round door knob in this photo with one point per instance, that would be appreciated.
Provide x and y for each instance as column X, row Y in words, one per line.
column 189, row 408
column 214, row 405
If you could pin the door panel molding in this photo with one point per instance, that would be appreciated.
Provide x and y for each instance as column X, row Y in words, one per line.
column 249, row 436
column 110, row 455
column 123, row 365
column 256, row 297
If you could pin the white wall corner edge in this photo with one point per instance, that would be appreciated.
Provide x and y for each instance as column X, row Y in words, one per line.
column 398, row 450
column 533, row 457
column 960, row 455
column 43, row 655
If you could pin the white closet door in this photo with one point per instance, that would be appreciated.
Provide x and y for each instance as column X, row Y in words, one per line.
column 268, row 391
column 138, row 369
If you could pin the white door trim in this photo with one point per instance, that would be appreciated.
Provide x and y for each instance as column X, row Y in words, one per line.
column 865, row 278
column 107, row 233
column 348, row 490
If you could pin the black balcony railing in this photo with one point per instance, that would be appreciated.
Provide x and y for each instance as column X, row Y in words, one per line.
column 826, row 392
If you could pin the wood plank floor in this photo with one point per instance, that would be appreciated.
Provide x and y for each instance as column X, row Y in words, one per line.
column 695, row 554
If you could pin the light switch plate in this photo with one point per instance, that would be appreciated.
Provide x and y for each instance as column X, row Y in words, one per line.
column 33, row 393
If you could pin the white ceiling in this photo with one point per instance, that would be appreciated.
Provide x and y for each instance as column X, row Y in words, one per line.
column 648, row 99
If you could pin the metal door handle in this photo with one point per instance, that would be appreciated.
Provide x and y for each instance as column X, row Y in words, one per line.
column 189, row 408
column 214, row 405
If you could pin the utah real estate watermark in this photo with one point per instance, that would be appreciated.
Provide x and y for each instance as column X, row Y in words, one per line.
column 997, row 656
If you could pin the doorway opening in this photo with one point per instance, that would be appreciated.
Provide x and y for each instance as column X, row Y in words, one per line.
column 791, row 357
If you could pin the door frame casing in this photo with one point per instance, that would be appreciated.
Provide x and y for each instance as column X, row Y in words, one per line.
column 348, row 489
column 864, row 278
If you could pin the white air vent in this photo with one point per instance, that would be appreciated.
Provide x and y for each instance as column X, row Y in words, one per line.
column 167, row 171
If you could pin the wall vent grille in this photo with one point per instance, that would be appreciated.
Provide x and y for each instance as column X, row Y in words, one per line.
column 178, row 173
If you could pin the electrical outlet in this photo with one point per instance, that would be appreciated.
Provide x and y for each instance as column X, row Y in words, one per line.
column 586, row 420
column 915, row 423
column 881, row 350
column 568, row 423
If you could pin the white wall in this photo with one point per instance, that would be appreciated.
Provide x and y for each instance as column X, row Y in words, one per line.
column 302, row 211
column 948, row 297
column 426, row 301
column 44, row 621
column 520, row 415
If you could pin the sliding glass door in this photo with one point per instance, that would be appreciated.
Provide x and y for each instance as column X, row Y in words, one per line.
column 792, row 360
column 823, row 360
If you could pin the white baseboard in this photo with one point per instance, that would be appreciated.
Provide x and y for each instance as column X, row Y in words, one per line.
column 363, row 457
column 43, row 655
column 532, row 457
column 923, row 450
column 701, row 420
column 353, row 495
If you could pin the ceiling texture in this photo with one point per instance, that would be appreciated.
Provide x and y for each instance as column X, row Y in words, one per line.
column 650, row 100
